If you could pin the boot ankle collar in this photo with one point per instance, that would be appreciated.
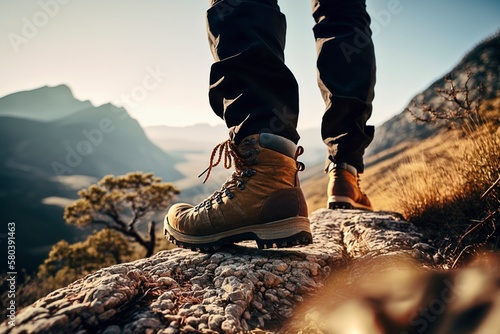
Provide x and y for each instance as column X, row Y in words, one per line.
column 279, row 144
column 344, row 166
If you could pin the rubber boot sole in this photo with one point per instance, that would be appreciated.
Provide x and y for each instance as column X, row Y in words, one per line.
column 344, row 202
column 278, row 234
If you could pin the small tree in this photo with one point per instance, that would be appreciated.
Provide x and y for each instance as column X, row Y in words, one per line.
column 68, row 262
column 460, row 104
column 122, row 203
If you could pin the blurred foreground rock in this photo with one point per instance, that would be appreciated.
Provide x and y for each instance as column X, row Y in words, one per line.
column 364, row 269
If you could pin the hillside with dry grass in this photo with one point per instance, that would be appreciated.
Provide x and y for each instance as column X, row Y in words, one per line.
column 419, row 166
column 438, row 162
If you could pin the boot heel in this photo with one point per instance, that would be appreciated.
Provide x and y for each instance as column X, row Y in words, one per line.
column 283, row 233
column 301, row 238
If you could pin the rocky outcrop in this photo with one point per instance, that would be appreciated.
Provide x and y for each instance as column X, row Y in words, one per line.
column 235, row 289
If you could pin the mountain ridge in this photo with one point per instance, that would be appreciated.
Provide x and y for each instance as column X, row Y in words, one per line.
column 44, row 159
column 84, row 143
column 483, row 61
column 45, row 103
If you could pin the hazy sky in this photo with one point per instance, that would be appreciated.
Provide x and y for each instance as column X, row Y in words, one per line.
column 156, row 51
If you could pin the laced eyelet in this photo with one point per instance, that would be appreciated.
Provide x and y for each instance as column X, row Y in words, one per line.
column 241, row 185
column 229, row 153
column 218, row 198
column 249, row 172
column 228, row 194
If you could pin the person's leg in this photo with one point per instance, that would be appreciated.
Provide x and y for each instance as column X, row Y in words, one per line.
column 251, row 88
column 346, row 77
column 253, row 91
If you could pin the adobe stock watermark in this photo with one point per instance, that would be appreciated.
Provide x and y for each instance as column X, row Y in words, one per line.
column 426, row 315
column 280, row 121
column 379, row 20
column 94, row 137
column 151, row 81
column 85, row 147
column 31, row 26
column 11, row 273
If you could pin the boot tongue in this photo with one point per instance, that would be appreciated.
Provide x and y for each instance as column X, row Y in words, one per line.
column 247, row 151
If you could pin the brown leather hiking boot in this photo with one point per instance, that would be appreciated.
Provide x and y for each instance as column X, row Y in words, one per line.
column 343, row 188
column 261, row 201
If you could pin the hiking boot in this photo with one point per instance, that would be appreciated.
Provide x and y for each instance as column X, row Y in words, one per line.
column 343, row 188
column 260, row 201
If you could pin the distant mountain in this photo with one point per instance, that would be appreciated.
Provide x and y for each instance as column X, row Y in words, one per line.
column 93, row 141
column 46, row 157
column 484, row 63
column 42, row 104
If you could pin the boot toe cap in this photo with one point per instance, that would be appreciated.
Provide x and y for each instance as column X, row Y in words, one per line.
column 183, row 218
column 176, row 215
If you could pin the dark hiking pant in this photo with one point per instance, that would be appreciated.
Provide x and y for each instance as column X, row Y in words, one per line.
column 253, row 90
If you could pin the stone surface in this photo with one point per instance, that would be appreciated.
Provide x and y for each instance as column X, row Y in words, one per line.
column 235, row 289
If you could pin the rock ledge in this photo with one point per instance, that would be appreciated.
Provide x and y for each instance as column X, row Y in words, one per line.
column 236, row 289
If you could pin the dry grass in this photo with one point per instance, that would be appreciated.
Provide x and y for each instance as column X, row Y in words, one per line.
column 438, row 185
column 418, row 167
column 440, row 188
column 395, row 166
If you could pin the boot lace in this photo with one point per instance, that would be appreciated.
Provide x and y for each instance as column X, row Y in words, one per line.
column 227, row 151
